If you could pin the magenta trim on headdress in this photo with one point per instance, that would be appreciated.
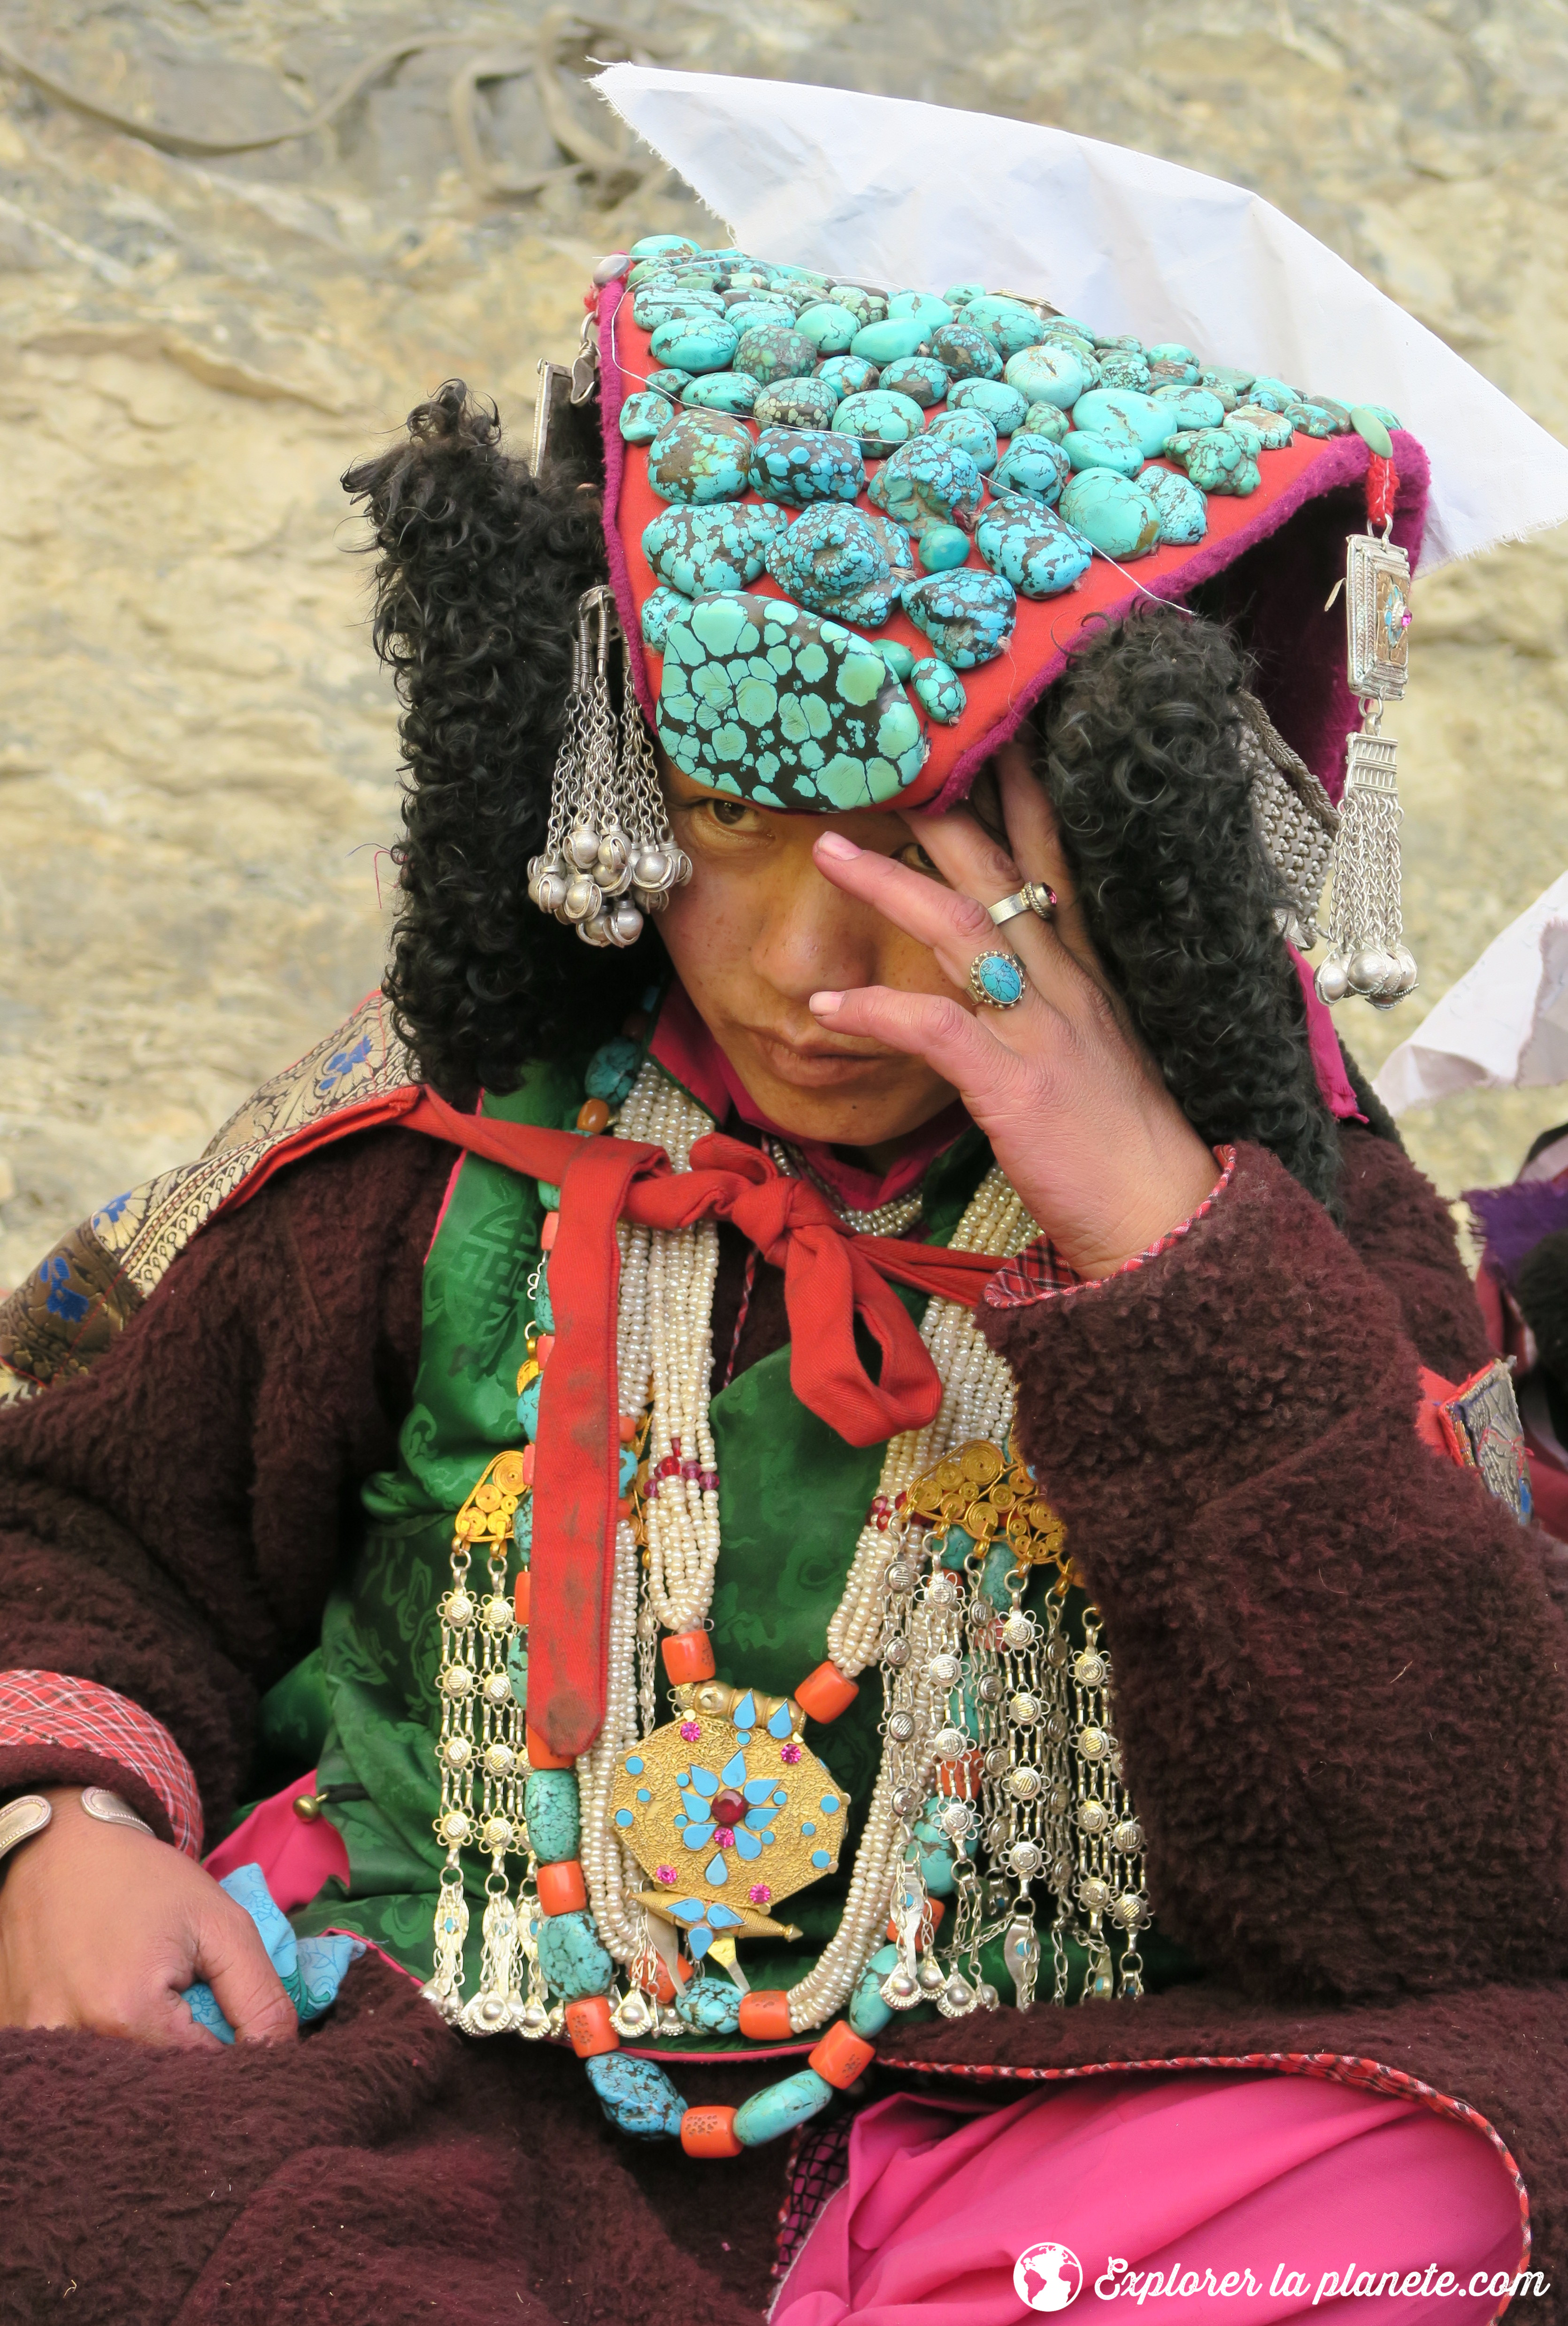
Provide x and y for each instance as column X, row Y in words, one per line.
column 611, row 397
column 1345, row 463
column 1323, row 1042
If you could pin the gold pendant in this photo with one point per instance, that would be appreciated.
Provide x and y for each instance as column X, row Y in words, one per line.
column 728, row 1813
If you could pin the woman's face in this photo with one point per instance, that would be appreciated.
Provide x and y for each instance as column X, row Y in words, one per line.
column 757, row 930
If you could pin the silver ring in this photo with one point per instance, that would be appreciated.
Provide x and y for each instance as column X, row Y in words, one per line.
column 1034, row 897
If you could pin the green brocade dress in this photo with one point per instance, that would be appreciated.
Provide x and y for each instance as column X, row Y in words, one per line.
column 792, row 1497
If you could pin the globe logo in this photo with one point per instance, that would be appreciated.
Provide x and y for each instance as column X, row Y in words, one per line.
column 1048, row 2276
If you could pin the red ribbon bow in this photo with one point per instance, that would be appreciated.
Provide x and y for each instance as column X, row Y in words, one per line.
column 831, row 1277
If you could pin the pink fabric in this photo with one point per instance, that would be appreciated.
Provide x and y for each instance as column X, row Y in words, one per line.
column 39, row 1707
column 1038, row 1273
column 683, row 1044
column 295, row 1855
column 1199, row 2171
column 1328, row 1058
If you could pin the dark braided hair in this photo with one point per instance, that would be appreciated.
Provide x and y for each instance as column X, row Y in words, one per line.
column 480, row 568
column 1140, row 755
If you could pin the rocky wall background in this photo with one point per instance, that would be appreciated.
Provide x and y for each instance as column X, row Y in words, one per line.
column 239, row 238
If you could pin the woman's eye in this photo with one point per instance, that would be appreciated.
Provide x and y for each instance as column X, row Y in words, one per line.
column 915, row 857
column 730, row 813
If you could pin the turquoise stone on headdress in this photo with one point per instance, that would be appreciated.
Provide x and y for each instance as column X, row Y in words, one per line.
column 698, row 551
column 1115, row 513
column 968, row 432
column 808, row 403
column 700, row 456
column 878, row 420
column 771, row 703
column 1030, row 544
column 798, row 466
column 844, row 562
column 1003, row 405
column 1183, row 510
column 967, row 616
column 1031, row 464
column 930, row 481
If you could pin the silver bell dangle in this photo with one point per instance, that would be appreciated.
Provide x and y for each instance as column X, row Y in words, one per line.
column 609, row 857
column 1367, row 952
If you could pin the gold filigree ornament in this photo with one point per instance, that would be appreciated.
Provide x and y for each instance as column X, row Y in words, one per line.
column 728, row 1813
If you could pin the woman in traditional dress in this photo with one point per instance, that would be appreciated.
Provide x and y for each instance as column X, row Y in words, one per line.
column 828, row 1491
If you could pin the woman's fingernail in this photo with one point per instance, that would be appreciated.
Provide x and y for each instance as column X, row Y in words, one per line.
column 834, row 843
column 823, row 1005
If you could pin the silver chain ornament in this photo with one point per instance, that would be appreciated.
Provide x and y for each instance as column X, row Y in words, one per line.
column 1367, row 952
column 609, row 856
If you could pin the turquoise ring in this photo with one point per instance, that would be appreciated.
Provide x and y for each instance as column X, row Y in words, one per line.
column 997, row 981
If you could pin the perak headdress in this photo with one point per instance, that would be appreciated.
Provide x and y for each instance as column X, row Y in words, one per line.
column 855, row 526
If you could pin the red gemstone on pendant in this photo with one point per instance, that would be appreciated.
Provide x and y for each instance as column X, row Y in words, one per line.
column 729, row 1809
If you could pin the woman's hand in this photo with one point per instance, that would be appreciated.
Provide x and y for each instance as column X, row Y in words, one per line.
column 103, row 1928
column 1076, row 1113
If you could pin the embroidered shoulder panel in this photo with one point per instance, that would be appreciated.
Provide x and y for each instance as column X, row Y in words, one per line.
column 1480, row 1422
column 60, row 1319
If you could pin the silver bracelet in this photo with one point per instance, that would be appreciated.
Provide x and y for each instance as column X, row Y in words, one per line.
column 29, row 1814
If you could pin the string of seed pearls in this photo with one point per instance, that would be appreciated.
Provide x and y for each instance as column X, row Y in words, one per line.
column 977, row 1401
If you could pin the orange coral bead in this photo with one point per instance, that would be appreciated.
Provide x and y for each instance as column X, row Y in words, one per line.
column 628, row 1428
column 548, row 1231
column 687, row 1655
column 529, row 1463
column 825, row 1693
column 709, row 2132
column 520, row 1596
column 543, row 1345
column 562, row 1889
column 765, row 2015
column 589, row 2025
column 842, row 2055
column 593, row 1116
column 960, row 1780
column 936, row 1908
column 540, row 1756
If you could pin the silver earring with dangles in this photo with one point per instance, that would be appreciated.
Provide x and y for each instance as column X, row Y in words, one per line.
column 1367, row 952
column 608, row 855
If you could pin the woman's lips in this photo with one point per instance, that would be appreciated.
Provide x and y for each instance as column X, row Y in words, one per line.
column 816, row 1065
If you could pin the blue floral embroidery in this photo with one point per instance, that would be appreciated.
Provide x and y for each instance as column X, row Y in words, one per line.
column 342, row 1063
column 62, row 1301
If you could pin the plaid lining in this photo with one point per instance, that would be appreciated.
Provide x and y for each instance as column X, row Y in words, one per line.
column 39, row 1707
column 1039, row 1272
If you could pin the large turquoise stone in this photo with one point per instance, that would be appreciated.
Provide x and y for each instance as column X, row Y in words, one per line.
column 1007, row 323
column 798, row 466
column 868, row 2014
column 866, row 305
column 850, row 375
column 636, row 2094
column 660, row 608
column 778, row 2108
column 938, row 690
column 770, row 351
column 700, row 456
column 828, row 326
column 807, row 276
column 544, row 1307
column 1003, row 406
column 574, row 1962
column 553, row 1814
column 1087, row 449
column 743, row 313
column 1171, row 351
column 1049, row 375
column 808, row 403
column 1171, row 373
column 1031, row 464
column 662, row 246
column 710, row 2005
column 696, row 347
column 1274, row 395
column 895, row 336
column 642, row 416
column 1314, row 420
column 921, row 378
column 844, row 562
column 1271, row 429
column 1123, row 370
column 772, row 703
column 529, row 1408
column 922, row 307
column 698, row 551
column 612, row 1069
column 1027, row 541
column 652, row 310
column 668, row 381
column 942, row 547
column 1113, row 512
column 968, row 616
column 1370, row 427
column 880, row 421
column 928, row 481
column 971, row 431
column 1216, row 460
column 1226, row 380
column 1194, row 407
column 958, row 294
column 965, row 352
column 1110, row 411
column 1047, row 420
column 1183, row 511
column 1243, row 428
column 724, row 391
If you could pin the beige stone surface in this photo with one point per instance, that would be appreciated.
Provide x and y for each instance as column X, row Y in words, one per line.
column 197, row 756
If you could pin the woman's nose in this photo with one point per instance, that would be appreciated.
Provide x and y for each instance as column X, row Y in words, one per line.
column 811, row 934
